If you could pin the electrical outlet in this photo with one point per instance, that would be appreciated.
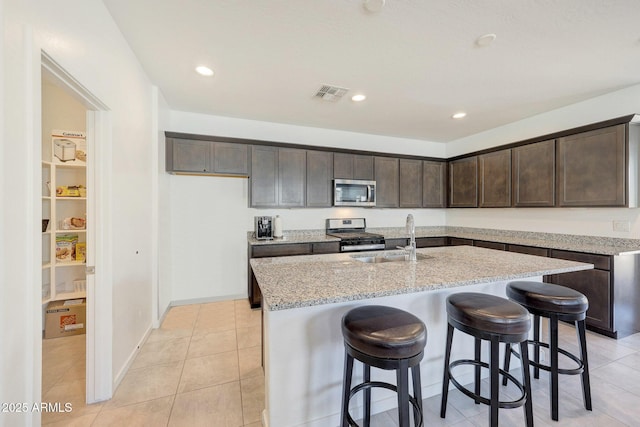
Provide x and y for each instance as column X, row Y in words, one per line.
column 621, row 226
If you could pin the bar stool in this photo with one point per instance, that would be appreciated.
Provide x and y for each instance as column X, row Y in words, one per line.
column 554, row 302
column 497, row 320
column 385, row 338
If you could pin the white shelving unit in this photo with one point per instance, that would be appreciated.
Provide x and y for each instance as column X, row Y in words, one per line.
column 63, row 277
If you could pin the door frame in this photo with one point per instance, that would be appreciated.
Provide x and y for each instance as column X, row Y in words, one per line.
column 99, row 343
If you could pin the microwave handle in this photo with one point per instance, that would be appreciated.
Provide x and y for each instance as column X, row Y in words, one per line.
column 368, row 193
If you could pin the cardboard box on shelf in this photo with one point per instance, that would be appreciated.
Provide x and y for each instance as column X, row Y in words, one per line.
column 65, row 318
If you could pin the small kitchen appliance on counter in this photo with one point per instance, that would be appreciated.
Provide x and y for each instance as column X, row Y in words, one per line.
column 353, row 236
column 264, row 227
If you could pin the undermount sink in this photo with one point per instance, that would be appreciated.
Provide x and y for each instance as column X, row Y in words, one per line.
column 388, row 257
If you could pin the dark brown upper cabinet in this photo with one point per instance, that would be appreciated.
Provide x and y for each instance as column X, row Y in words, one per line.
column 533, row 170
column 319, row 175
column 495, row 179
column 434, row 184
column 387, row 182
column 264, row 176
column 292, row 177
column 591, row 168
column 352, row 166
column 410, row 183
column 463, row 183
column 206, row 157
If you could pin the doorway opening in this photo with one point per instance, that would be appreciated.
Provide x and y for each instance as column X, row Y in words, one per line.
column 75, row 167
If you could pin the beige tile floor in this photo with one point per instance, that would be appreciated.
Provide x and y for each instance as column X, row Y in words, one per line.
column 202, row 368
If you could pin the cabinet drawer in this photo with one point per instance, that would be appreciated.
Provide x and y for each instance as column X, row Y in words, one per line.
column 601, row 262
column 430, row 242
column 455, row 241
column 393, row 243
column 490, row 245
column 263, row 251
column 326, row 248
column 529, row 250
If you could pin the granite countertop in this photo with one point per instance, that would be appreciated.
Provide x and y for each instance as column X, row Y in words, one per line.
column 588, row 244
column 309, row 280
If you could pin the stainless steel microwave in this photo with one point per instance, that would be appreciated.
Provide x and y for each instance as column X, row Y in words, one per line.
column 354, row 192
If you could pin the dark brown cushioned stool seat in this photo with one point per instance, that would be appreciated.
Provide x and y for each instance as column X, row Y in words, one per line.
column 555, row 303
column 385, row 338
column 497, row 320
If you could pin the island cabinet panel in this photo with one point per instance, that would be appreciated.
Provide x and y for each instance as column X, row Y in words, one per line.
column 319, row 176
column 591, row 168
column 533, row 171
column 495, row 179
column 352, row 166
column 264, row 176
column 463, row 183
column 430, row 242
column 595, row 284
column 185, row 155
column 387, row 182
column 292, row 177
column 490, row 245
column 410, row 183
column 434, row 184
column 529, row 250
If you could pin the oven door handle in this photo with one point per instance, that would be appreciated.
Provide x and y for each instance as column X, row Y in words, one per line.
column 371, row 247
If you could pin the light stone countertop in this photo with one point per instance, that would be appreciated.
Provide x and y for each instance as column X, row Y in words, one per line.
column 309, row 280
column 588, row 244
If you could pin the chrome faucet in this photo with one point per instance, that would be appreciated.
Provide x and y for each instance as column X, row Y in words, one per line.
column 411, row 229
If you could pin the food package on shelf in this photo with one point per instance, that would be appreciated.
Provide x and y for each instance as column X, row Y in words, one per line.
column 66, row 247
column 81, row 249
column 73, row 223
column 71, row 191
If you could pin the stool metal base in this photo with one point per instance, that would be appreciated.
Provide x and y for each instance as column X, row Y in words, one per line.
column 582, row 365
column 405, row 400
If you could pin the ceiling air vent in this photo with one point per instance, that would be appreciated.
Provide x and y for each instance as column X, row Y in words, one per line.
column 331, row 93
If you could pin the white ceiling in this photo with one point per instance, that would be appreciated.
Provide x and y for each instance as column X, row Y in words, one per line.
column 416, row 60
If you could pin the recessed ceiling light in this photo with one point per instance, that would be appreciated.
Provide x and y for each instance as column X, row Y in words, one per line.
column 358, row 98
column 205, row 71
column 373, row 5
column 459, row 115
column 485, row 40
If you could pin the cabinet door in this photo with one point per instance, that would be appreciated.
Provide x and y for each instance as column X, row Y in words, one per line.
column 319, row 175
column 529, row 250
column 343, row 166
column 457, row 241
column 463, row 183
column 387, row 181
column 591, row 168
column 185, row 155
column 490, row 245
column 430, row 242
column 292, row 178
column 363, row 167
column 410, row 183
column 264, row 176
column 534, row 168
column 433, row 184
column 596, row 286
column 231, row 158
column 495, row 179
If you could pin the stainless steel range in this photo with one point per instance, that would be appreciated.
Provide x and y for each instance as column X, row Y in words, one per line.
column 353, row 236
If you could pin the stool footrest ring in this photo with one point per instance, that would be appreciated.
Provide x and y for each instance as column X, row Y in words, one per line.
column 501, row 404
column 565, row 371
column 380, row 384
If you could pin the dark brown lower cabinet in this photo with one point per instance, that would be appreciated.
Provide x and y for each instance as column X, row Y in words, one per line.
column 529, row 250
column 284, row 249
column 455, row 241
column 430, row 242
column 490, row 245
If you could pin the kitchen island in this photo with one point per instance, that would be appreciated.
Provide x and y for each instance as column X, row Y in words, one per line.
column 305, row 297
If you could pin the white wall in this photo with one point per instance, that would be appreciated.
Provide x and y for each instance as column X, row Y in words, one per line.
column 81, row 36
column 594, row 222
column 164, row 246
column 210, row 215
